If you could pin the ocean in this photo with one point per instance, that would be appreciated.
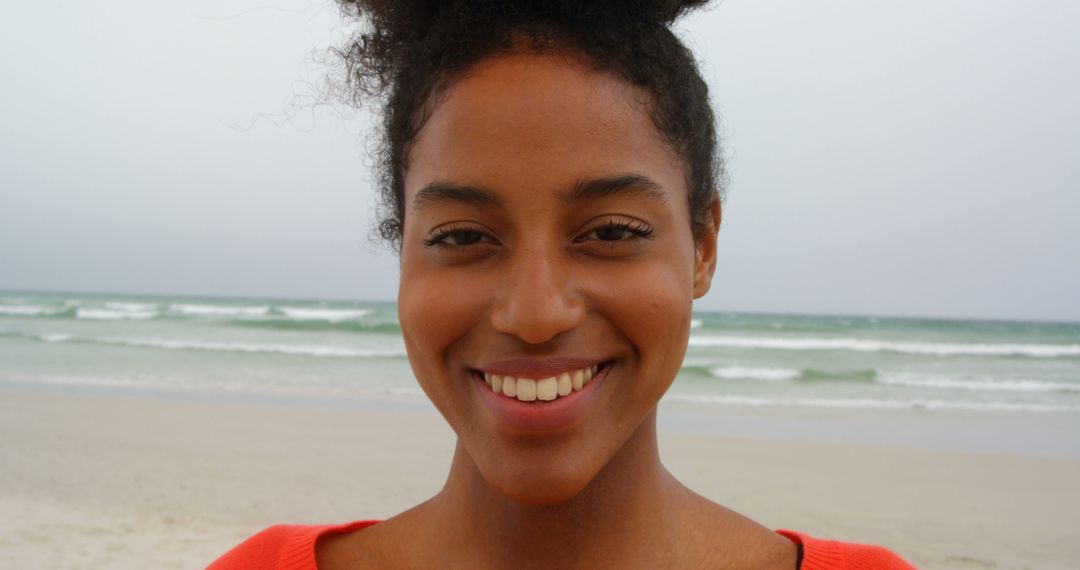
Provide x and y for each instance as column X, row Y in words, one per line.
column 351, row 353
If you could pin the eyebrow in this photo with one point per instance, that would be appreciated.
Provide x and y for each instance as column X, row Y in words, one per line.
column 629, row 184
column 592, row 189
column 441, row 192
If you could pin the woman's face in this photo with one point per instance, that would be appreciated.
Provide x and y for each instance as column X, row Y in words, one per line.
column 546, row 238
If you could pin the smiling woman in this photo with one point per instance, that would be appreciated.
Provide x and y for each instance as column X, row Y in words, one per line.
column 552, row 188
column 579, row 260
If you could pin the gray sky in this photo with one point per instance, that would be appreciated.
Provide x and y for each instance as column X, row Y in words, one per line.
column 915, row 158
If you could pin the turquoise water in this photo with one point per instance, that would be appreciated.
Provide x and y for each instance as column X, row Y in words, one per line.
column 352, row 351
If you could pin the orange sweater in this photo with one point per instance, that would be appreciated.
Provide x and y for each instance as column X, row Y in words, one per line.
column 292, row 547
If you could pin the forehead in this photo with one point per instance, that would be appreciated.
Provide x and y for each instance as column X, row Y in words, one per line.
column 536, row 122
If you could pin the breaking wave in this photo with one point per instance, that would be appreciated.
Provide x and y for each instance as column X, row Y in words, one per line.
column 219, row 310
column 239, row 347
column 269, row 316
column 868, row 345
column 743, row 373
column 871, row 403
column 980, row 384
column 767, row 374
column 114, row 315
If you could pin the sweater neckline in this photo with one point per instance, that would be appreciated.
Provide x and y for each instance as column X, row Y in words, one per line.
column 299, row 552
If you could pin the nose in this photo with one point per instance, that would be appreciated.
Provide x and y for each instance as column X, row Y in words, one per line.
column 537, row 301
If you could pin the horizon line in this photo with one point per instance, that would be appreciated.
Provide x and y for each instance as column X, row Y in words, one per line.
column 764, row 313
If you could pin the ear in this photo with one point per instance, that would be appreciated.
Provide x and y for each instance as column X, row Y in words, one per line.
column 705, row 252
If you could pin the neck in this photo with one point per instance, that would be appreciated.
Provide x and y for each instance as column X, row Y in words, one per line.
column 627, row 506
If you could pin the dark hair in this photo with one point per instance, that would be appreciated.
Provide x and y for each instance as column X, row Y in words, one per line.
column 408, row 51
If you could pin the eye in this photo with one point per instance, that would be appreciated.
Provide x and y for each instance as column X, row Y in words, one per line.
column 617, row 229
column 455, row 236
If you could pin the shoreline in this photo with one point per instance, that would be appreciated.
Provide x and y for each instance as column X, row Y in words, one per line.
column 1018, row 433
column 129, row 482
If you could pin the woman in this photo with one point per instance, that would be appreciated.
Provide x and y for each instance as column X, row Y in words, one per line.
column 552, row 184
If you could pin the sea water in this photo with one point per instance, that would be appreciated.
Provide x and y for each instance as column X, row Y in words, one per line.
column 352, row 353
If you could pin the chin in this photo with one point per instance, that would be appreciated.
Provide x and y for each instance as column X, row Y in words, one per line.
column 529, row 485
column 542, row 495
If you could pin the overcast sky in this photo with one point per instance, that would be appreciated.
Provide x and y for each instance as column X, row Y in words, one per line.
column 889, row 158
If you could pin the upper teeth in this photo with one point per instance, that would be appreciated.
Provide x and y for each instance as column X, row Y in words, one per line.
column 546, row 389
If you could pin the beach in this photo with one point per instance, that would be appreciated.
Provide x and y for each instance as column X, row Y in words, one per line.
column 157, row 431
column 99, row 481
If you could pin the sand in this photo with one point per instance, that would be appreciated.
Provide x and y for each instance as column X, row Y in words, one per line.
column 113, row 482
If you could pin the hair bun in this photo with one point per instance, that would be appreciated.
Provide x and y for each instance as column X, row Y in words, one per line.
column 412, row 12
column 662, row 12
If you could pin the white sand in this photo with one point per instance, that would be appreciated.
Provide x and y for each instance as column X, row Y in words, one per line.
column 94, row 482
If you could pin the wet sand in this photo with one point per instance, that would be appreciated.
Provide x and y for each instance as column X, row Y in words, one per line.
column 112, row 482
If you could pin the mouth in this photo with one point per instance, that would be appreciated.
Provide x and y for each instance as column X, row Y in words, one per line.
column 556, row 403
column 541, row 390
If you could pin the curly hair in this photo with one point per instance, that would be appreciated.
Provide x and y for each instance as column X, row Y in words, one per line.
column 407, row 52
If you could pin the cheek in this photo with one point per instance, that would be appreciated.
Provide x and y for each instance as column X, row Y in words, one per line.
column 435, row 309
column 651, row 305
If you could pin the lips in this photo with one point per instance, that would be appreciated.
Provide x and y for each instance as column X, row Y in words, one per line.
column 544, row 389
column 548, row 401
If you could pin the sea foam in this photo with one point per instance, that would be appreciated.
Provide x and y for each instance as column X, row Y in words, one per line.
column 219, row 310
column 870, row 403
column 54, row 337
column 241, row 347
column 132, row 307
column 113, row 315
column 768, row 374
column 868, row 345
column 23, row 310
column 320, row 314
column 980, row 384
